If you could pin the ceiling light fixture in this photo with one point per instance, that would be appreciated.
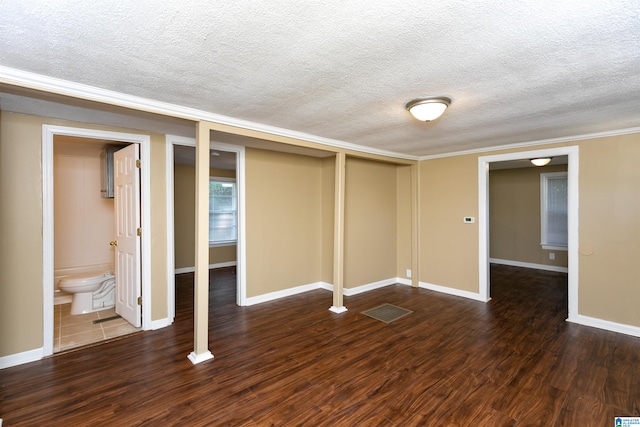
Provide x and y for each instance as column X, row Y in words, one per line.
column 428, row 109
column 541, row 161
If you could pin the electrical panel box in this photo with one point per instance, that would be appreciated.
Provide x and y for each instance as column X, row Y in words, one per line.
column 106, row 170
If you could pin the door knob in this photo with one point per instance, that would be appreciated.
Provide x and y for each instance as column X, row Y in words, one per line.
column 113, row 243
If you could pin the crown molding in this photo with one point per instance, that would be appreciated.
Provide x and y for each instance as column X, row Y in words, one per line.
column 39, row 82
column 29, row 80
column 617, row 132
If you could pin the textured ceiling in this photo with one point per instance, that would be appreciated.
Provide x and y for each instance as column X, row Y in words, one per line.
column 516, row 71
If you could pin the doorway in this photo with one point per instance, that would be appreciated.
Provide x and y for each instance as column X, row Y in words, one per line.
column 572, row 222
column 226, row 169
column 85, row 243
column 49, row 133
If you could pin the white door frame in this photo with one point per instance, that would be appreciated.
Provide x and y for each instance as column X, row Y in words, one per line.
column 48, row 133
column 241, row 283
column 572, row 205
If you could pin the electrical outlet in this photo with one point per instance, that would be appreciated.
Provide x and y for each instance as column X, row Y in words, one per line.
column 552, row 255
column 468, row 220
column 408, row 273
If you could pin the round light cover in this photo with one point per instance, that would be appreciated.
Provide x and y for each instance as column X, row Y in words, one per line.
column 542, row 161
column 428, row 109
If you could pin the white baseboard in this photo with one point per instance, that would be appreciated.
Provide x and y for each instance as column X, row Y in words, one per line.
column 283, row 293
column 369, row 287
column 554, row 268
column 211, row 267
column 161, row 323
column 366, row 288
column 404, row 281
column 326, row 286
column 320, row 285
column 605, row 324
column 21, row 358
column 453, row 291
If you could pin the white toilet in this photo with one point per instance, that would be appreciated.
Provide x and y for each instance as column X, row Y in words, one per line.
column 91, row 291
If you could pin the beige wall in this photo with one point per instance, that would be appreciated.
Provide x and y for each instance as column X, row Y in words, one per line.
column 449, row 247
column 83, row 219
column 159, row 309
column 609, row 230
column 370, row 222
column 21, row 270
column 21, row 230
column 283, row 220
column 403, row 216
column 372, row 217
column 184, row 219
column 328, row 205
column 514, row 216
column 183, row 215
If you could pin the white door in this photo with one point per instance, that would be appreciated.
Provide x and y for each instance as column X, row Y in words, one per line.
column 126, row 177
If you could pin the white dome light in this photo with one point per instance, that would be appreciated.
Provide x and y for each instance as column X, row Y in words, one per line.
column 428, row 109
column 542, row 161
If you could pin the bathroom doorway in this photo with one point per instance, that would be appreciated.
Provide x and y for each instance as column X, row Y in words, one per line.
column 79, row 225
column 84, row 242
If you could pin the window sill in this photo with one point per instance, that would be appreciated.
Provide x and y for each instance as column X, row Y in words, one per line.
column 554, row 247
column 221, row 244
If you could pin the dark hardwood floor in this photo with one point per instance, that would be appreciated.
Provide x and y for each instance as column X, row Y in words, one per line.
column 514, row 361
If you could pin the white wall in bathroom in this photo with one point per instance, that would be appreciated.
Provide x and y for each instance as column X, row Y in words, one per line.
column 83, row 220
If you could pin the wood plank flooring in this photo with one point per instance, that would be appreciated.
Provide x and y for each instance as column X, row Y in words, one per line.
column 514, row 361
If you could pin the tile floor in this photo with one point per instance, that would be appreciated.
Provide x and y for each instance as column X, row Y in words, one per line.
column 73, row 331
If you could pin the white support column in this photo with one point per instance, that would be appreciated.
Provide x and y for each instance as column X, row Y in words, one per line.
column 201, row 286
column 338, row 235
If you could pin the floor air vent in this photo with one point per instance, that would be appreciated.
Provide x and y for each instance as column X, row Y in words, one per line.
column 387, row 313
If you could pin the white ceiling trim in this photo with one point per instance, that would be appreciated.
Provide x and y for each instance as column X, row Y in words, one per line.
column 574, row 138
column 25, row 79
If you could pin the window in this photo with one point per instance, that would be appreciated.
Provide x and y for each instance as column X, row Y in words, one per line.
column 553, row 203
column 222, row 211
